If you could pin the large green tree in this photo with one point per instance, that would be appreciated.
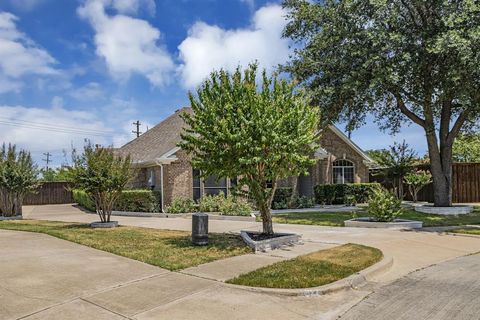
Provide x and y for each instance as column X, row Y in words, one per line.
column 466, row 148
column 259, row 132
column 403, row 60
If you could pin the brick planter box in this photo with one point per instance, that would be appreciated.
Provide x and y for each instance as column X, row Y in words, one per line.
column 281, row 240
column 401, row 224
column 453, row 210
column 19, row 217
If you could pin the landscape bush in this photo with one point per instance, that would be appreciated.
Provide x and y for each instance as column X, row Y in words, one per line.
column 235, row 206
column 383, row 206
column 281, row 198
column 284, row 199
column 211, row 203
column 349, row 193
column 182, row 205
column 139, row 201
column 129, row 200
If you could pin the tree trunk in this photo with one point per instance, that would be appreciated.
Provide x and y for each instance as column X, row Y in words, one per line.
column 267, row 222
column 441, row 168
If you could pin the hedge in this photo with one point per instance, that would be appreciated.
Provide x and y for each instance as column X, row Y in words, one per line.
column 129, row 200
column 343, row 193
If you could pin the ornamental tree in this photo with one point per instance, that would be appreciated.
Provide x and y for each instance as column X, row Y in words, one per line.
column 403, row 60
column 395, row 163
column 102, row 175
column 416, row 181
column 18, row 176
column 259, row 134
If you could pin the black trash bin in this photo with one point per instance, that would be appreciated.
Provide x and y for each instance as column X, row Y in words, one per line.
column 200, row 229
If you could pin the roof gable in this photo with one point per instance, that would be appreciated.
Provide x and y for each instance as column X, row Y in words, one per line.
column 157, row 141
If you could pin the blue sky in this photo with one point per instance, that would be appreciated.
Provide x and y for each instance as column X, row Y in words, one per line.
column 71, row 70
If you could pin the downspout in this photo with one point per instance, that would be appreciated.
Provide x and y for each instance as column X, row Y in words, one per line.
column 161, row 187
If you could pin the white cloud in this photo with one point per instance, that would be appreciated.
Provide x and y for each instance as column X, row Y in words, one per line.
column 249, row 3
column 26, row 5
column 19, row 55
column 52, row 129
column 90, row 91
column 133, row 6
column 128, row 45
column 209, row 47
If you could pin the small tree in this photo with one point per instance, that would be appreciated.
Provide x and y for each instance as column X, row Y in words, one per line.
column 395, row 163
column 416, row 181
column 103, row 176
column 18, row 176
column 260, row 136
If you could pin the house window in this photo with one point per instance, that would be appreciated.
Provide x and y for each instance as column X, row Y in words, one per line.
column 196, row 185
column 210, row 186
column 213, row 185
column 151, row 178
column 343, row 172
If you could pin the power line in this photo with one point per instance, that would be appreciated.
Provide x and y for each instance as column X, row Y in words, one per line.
column 44, row 124
column 47, row 160
column 137, row 131
column 53, row 129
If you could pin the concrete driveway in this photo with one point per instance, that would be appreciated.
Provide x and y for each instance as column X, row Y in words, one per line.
column 447, row 291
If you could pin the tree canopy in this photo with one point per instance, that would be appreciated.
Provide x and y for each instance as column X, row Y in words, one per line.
column 257, row 132
column 102, row 175
column 403, row 60
column 18, row 176
column 467, row 148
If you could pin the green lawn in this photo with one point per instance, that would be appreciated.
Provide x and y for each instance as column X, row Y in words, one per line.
column 312, row 270
column 336, row 218
column 168, row 249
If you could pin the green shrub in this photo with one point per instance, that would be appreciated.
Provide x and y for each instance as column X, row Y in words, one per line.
column 282, row 198
column 211, row 203
column 350, row 200
column 138, row 201
column 83, row 200
column 383, row 206
column 182, row 205
column 342, row 193
column 129, row 200
column 235, row 206
column 299, row 202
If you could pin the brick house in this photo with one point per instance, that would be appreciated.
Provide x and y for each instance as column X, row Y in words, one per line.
column 163, row 166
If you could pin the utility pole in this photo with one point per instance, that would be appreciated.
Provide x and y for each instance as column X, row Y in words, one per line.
column 47, row 160
column 137, row 131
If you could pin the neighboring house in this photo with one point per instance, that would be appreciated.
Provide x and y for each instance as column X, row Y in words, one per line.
column 163, row 166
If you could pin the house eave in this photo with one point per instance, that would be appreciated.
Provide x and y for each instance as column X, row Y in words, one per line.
column 153, row 163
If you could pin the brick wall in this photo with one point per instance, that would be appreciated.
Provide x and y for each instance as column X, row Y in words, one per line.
column 339, row 149
column 177, row 178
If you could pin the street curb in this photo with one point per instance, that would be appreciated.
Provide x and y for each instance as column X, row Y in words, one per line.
column 351, row 282
column 177, row 215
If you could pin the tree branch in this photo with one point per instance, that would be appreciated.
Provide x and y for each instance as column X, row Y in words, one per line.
column 457, row 127
column 410, row 114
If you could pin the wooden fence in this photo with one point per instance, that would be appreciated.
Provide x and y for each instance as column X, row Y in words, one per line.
column 465, row 184
column 50, row 193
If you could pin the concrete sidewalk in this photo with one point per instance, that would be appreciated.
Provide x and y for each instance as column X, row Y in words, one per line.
column 47, row 278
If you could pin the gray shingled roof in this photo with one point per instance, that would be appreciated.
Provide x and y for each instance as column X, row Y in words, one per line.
column 158, row 140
